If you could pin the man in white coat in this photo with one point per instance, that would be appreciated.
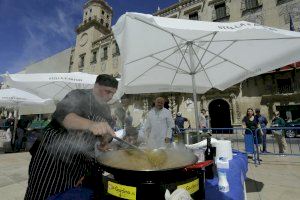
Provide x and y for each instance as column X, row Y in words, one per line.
column 158, row 126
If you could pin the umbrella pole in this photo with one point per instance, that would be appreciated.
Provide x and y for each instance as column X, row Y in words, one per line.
column 15, row 127
column 194, row 85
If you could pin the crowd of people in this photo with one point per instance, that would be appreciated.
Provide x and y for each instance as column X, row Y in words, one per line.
column 26, row 125
column 59, row 157
column 256, row 126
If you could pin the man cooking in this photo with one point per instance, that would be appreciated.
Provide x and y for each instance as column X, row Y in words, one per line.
column 64, row 154
column 158, row 126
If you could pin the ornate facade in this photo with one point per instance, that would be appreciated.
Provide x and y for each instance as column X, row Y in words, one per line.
column 97, row 52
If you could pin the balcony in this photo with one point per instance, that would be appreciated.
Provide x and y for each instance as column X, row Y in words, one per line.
column 94, row 22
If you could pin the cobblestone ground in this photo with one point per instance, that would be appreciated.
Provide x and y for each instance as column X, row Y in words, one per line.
column 276, row 178
column 13, row 175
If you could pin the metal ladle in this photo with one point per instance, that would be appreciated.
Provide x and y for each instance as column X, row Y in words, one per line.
column 127, row 143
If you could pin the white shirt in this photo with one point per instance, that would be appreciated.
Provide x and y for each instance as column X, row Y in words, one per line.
column 202, row 121
column 158, row 126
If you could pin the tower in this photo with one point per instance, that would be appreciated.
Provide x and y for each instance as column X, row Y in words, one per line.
column 96, row 23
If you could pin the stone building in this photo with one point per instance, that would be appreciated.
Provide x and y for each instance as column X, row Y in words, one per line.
column 278, row 90
column 97, row 52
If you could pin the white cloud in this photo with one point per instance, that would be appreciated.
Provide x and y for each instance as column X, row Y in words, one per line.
column 44, row 30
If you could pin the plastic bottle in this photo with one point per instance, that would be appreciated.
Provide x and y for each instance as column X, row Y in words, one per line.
column 223, row 165
column 223, row 183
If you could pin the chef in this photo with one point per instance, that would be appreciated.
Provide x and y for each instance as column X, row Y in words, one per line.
column 158, row 126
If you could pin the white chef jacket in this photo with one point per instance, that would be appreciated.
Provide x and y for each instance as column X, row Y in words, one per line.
column 158, row 126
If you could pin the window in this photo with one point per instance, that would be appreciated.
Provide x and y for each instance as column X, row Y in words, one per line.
column 220, row 11
column 116, row 50
column 90, row 10
column 71, row 60
column 106, row 25
column 94, row 56
column 104, row 53
column 81, row 62
column 193, row 16
column 85, row 13
column 107, row 16
column 101, row 21
column 290, row 111
column 284, row 86
column 102, row 12
column 90, row 18
column 251, row 4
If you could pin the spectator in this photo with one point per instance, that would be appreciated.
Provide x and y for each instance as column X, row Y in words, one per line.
column 3, row 123
column 131, row 135
column 22, row 125
column 277, row 121
column 250, row 123
column 10, row 121
column 23, row 122
column 179, row 121
column 262, row 120
column 158, row 126
column 120, row 113
column 204, row 120
column 141, row 126
column 19, row 139
column 128, row 120
column 114, row 122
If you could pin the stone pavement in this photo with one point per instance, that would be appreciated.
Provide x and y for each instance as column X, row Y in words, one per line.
column 13, row 175
column 276, row 178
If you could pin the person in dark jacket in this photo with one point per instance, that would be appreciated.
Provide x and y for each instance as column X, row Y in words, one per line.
column 179, row 121
column 262, row 121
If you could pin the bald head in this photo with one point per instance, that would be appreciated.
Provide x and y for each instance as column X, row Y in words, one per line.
column 159, row 103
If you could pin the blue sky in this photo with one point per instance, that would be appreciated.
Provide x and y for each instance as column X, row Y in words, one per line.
column 31, row 30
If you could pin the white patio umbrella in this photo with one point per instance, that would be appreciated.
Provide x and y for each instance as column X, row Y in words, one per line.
column 175, row 55
column 50, row 85
column 18, row 99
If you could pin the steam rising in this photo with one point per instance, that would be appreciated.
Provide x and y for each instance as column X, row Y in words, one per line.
column 71, row 145
column 66, row 147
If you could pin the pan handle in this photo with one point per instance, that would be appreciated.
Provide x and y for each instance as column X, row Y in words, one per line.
column 199, row 165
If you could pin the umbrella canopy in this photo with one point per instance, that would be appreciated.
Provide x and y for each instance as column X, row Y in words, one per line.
column 175, row 55
column 18, row 99
column 26, row 103
column 50, row 85
column 14, row 98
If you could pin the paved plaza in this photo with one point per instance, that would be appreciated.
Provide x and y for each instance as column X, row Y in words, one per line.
column 13, row 175
column 276, row 178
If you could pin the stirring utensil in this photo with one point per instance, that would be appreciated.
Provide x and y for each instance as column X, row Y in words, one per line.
column 126, row 143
